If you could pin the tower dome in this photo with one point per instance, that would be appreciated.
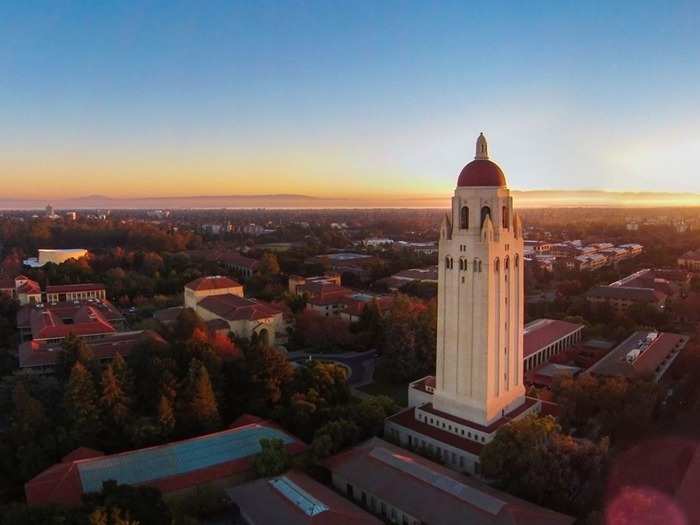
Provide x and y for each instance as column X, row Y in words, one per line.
column 481, row 171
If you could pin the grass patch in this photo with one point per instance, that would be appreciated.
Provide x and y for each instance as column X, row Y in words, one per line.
column 398, row 392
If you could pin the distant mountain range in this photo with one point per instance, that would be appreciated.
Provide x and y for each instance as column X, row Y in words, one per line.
column 524, row 199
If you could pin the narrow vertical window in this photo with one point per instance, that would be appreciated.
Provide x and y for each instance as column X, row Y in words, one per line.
column 464, row 218
column 485, row 212
column 505, row 218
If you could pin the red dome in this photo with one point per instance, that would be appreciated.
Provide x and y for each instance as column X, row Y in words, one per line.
column 481, row 172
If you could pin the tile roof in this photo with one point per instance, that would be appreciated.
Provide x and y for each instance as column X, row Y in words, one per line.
column 170, row 467
column 641, row 295
column 653, row 350
column 67, row 310
column 234, row 308
column 42, row 354
column 408, row 481
column 213, row 282
column 543, row 332
column 262, row 504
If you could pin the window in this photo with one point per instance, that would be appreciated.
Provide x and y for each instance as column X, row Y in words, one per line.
column 505, row 217
column 464, row 218
column 485, row 212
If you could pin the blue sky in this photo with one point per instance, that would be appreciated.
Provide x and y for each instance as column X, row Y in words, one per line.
column 357, row 98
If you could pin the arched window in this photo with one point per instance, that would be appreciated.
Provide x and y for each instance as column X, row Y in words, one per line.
column 507, row 264
column 517, row 261
column 505, row 217
column 496, row 264
column 461, row 264
column 447, row 263
column 464, row 218
column 485, row 212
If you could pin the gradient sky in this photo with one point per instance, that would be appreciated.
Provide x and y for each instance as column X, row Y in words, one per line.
column 345, row 98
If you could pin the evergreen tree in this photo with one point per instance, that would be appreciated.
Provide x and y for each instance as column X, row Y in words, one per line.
column 113, row 401
column 75, row 350
column 81, row 405
column 166, row 415
column 123, row 375
column 201, row 410
column 29, row 419
column 268, row 373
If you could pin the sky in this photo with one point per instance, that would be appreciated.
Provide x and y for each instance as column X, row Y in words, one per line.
column 345, row 99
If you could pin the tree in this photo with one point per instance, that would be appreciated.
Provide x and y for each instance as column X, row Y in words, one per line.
column 201, row 410
column 114, row 401
column 532, row 459
column 81, row 405
column 273, row 458
column 166, row 415
column 75, row 350
column 113, row 516
column 187, row 322
column 268, row 373
column 142, row 504
column 269, row 265
column 335, row 435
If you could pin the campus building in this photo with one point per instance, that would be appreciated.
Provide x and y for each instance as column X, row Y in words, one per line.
column 479, row 382
column 219, row 458
column 219, row 301
column 294, row 499
column 405, row 488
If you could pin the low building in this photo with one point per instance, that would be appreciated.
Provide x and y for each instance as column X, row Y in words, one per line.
column 642, row 354
column 246, row 318
column 219, row 458
column 240, row 264
column 27, row 291
column 401, row 279
column 75, row 292
column 457, row 441
column 209, row 286
column 690, row 260
column 50, row 321
column 299, row 285
column 402, row 487
column 294, row 499
column 42, row 356
column 620, row 298
column 545, row 338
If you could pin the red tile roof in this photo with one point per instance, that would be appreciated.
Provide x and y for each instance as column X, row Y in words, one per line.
column 42, row 354
column 67, row 310
column 543, row 332
column 234, row 308
column 61, row 483
column 215, row 282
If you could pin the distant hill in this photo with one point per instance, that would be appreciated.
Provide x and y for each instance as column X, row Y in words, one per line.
column 523, row 199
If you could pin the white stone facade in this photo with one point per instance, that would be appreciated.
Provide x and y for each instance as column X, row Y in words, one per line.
column 479, row 368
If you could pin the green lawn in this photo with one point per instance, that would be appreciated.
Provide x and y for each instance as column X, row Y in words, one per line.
column 398, row 392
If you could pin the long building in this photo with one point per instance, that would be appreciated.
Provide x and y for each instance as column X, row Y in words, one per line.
column 294, row 499
column 405, row 488
column 221, row 457
column 545, row 338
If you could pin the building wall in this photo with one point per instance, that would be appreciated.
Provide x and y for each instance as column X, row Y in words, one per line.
column 192, row 297
column 373, row 503
column 480, row 309
column 545, row 353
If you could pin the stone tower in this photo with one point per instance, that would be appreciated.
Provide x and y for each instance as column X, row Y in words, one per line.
column 479, row 369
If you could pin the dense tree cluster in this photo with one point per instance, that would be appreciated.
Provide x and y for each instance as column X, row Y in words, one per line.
column 533, row 459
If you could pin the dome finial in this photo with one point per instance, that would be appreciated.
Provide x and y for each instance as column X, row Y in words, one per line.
column 482, row 149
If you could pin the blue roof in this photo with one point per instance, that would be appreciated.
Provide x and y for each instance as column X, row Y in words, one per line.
column 182, row 457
